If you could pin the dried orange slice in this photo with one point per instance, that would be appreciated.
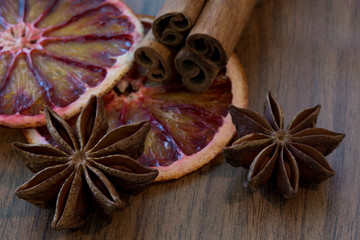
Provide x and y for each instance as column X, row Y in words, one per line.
column 59, row 53
column 188, row 129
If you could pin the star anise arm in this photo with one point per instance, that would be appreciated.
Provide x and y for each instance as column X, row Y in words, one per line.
column 71, row 203
column 128, row 140
column 244, row 150
column 263, row 165
column 102, row 190
column 312, row 164
column 92, row 123
column 247, row 121
column 323, row 140
column 42, row 189
column 304, row 119
column 287, row 173
column 38, row 157
column 273, row 113
column 60, row 131
column 127, row 174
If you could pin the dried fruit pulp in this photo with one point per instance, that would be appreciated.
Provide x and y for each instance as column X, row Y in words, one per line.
column 58, row 53
column 187, row 129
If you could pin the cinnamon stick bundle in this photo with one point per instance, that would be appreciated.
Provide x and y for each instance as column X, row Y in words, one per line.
column 156, row 58
column 175, row 19
column 195, row 72
column 212, row 40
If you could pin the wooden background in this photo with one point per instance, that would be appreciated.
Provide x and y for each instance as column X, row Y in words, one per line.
column 306, row 52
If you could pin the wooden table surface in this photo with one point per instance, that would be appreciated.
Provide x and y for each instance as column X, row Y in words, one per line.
column 306, row 52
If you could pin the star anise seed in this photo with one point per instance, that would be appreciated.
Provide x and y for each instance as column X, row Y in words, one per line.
column 89, row 161
column 294, row 153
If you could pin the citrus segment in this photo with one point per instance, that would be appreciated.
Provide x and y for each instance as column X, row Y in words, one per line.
column 59, row 53
column 18, row 93
column 191, row 128
column 62, row 11
column 6, row 59
column 104, row 21
column 64, row 82
column 161, row 148
column 99, row 52
column 11, row 11
column 36, row 8
column 57, row 71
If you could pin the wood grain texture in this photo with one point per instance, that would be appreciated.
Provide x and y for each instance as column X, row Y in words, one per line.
column 307, row 53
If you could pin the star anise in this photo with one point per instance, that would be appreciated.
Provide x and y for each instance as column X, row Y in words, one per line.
column 89, row 162
column 294, row 153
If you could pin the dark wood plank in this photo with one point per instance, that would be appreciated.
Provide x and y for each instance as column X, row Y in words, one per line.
column 305, row 52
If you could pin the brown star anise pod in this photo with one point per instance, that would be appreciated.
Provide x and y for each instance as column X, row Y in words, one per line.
column 89, row 162
column 294, row 153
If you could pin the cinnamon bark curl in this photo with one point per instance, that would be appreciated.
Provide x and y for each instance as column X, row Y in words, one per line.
column 175, row 19
column 156, row 58
column 218, row 29
column 194, row 71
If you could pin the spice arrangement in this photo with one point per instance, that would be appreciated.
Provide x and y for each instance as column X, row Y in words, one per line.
column 86, row 79
column 185, row 134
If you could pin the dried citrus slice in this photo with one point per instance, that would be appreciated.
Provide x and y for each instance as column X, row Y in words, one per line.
column 188, row 129
column 59, row 53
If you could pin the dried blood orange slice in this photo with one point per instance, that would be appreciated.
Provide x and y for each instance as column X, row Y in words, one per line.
column 188, row 129
column 59, row 53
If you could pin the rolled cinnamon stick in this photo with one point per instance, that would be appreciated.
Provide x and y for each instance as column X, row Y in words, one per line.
column 197, row 75
column 175, row 19
column 156, row 58
column 218, row 28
